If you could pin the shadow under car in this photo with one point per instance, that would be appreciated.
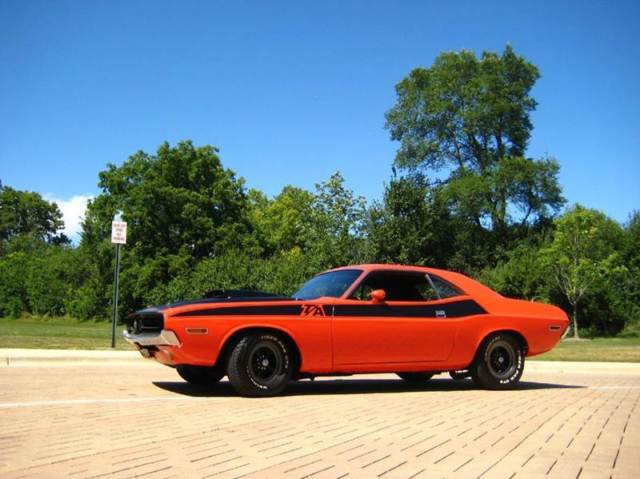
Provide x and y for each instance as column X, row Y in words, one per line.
column 350, row 386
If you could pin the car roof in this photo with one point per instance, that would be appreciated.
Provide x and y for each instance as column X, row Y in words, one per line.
column 467, row 284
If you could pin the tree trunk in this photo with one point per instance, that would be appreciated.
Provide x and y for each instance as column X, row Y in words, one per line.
column 575, row 321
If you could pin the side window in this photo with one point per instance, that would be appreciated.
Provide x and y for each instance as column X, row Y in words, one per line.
column 399, row 286
column 444, row 289
column 363, row 291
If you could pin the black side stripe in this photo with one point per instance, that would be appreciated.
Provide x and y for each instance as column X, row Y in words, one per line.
column 276, row 310
column 448, row 310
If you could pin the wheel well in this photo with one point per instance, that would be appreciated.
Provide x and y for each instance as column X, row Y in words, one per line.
column 232, row 340
column 515, row 334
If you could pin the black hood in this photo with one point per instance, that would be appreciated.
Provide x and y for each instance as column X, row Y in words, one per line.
column 152, row 318
column 226, row 296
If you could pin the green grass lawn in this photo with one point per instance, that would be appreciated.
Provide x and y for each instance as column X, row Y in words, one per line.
column 597, row 349
column 58, row 333
column 69, row 333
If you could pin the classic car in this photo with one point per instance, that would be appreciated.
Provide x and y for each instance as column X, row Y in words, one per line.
column 372, row 318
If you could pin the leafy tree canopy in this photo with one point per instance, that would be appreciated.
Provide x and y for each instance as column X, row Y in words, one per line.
column 632, row 242
column 469, row 118
column 411, row 225
column 339, row 217
column 180, row 200
column 584, row 252
column 286, row 221
column 181, row 206
column 27, row 213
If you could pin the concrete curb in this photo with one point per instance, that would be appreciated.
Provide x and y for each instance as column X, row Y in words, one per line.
column 582, row 367
column 46, row 357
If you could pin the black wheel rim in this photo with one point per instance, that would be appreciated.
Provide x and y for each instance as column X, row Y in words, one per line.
column 501, row 359
column 265, row 362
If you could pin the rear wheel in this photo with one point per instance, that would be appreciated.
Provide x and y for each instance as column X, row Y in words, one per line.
column 260, row 365
column 499, row 363
column 415, row 378
column 200, row 375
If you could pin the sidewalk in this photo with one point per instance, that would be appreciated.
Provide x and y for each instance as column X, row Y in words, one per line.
column 124, row 421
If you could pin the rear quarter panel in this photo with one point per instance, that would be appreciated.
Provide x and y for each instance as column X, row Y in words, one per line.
column 541, row 326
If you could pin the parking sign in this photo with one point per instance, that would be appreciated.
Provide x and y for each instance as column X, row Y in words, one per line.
column 119, row 232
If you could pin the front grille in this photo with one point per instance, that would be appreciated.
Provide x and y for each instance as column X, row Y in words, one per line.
column 145, row 322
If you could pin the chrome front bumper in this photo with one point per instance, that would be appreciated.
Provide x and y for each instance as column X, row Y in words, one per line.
column 162, row 338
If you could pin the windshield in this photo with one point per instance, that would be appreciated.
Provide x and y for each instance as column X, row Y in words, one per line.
column 333, row 283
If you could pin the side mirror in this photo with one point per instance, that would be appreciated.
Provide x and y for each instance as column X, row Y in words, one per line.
column 377, row 295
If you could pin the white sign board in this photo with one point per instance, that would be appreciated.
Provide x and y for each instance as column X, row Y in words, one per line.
column 119, row 232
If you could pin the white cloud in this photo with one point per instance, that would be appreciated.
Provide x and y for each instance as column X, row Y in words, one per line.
column 73, row 211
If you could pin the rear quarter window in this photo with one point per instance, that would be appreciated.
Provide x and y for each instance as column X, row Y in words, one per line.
column 444, row 288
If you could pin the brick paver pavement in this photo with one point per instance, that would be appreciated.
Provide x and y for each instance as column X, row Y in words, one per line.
column 143, row 421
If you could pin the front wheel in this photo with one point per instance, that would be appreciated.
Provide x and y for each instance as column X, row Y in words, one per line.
column 499, row 363
column 415, row 378
column 200, row 375
column 259, row 365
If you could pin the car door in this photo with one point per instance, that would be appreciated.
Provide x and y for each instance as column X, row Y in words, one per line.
column 411, row 325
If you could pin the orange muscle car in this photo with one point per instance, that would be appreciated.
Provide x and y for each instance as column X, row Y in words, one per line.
column 371, row 318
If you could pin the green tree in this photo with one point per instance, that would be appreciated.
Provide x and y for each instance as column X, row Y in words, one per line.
column 328, row 225
column 181, row 205
column 182, row 197
column 522, row 274
column 411, row 225
column 27, row 213
column 52, row 277
column 40, row 278
column 631, row 259
column 281, row 273
column 285, row 222
column 584, row 255
column 33, row 273
column 632, row 242
column 466, row 122
column 339, row 225
column 13, row 291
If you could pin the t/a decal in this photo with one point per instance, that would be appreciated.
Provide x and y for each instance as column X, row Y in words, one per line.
column 312, row 310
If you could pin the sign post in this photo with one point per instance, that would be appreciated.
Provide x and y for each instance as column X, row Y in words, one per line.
column 118, row 237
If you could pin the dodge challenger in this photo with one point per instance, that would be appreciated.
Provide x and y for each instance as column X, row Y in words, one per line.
column 408, row 320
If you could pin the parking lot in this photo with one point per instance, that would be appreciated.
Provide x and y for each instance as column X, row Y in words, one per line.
column 138, row 419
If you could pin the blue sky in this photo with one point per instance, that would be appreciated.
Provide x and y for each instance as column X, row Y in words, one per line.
column 293, row 91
